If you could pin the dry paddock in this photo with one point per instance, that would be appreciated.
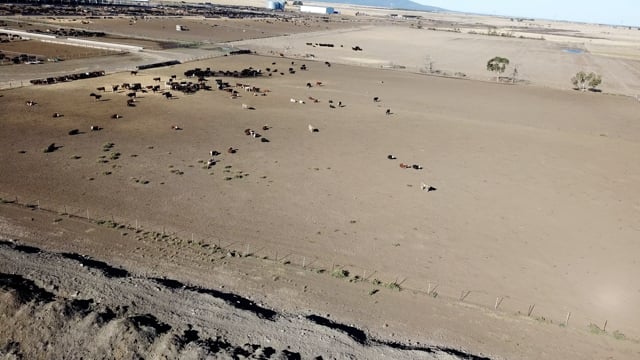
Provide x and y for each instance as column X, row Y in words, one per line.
column 47, row 50
column 536, row 198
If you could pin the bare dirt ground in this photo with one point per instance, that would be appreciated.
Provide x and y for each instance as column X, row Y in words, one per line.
column 117, row 314
column 459, row 47
column 534, row 211
column 49, row 50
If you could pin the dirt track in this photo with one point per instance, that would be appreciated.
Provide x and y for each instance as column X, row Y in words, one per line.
column 82, row 301
column 91, row 308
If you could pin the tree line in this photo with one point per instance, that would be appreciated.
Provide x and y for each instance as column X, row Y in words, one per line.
column 581, row 80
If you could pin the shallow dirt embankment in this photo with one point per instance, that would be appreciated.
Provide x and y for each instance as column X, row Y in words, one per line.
column 64, row 305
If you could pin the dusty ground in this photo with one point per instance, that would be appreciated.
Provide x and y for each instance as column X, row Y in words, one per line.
column 114, row 313
column 49, row 51
column 611, row 52
column 535, row 202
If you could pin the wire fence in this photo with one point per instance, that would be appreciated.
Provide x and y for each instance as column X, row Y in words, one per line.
column 482, row 300
column 5, row 85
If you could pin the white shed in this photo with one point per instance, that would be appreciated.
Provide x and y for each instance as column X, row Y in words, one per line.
column 275, row 5
column 316, row 9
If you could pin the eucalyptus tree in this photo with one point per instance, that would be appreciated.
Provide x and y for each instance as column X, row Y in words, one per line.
column 498, row 65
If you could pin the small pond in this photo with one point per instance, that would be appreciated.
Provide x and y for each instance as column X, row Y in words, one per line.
column 573, row 51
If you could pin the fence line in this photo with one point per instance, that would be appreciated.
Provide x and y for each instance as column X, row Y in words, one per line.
column 285, row 257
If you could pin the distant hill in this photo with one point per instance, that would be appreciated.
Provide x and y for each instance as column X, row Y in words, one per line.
column 395, row 4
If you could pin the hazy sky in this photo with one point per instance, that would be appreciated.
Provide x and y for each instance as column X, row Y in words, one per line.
column 617, row 12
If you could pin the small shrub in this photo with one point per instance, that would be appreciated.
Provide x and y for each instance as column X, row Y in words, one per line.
column 394, row 286
column 619, row 335
column 595, row 329
column 340, row 273
column 373, row 292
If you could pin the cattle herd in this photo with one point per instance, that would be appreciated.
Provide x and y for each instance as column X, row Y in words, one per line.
column 97, row 9
column 201, row 82
column 65, row 78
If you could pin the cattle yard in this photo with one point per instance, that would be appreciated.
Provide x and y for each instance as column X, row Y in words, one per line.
column 249, row 155
column 25, row 51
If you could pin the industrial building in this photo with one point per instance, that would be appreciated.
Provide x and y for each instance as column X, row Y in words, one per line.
column 317, row 9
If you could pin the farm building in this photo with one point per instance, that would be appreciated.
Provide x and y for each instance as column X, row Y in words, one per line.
column 316, row 9
column 275, row 5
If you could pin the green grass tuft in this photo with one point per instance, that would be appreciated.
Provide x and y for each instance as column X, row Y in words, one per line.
column 619, row 335
column 595, row 329
column 340, row 273
column 393, row 286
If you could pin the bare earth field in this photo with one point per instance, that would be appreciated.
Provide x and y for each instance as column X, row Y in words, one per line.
column 618, row 61
column 525, row 248
column 49, row 50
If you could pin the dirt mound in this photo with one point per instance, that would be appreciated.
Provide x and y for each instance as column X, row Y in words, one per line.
column 75, row 307
column 23, row 290
column 38, row 324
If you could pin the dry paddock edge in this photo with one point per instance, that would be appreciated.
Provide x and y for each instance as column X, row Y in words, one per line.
column 429, row 290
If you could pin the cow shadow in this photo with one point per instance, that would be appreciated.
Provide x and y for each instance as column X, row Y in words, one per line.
column 52, row 147
column 75, row 132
